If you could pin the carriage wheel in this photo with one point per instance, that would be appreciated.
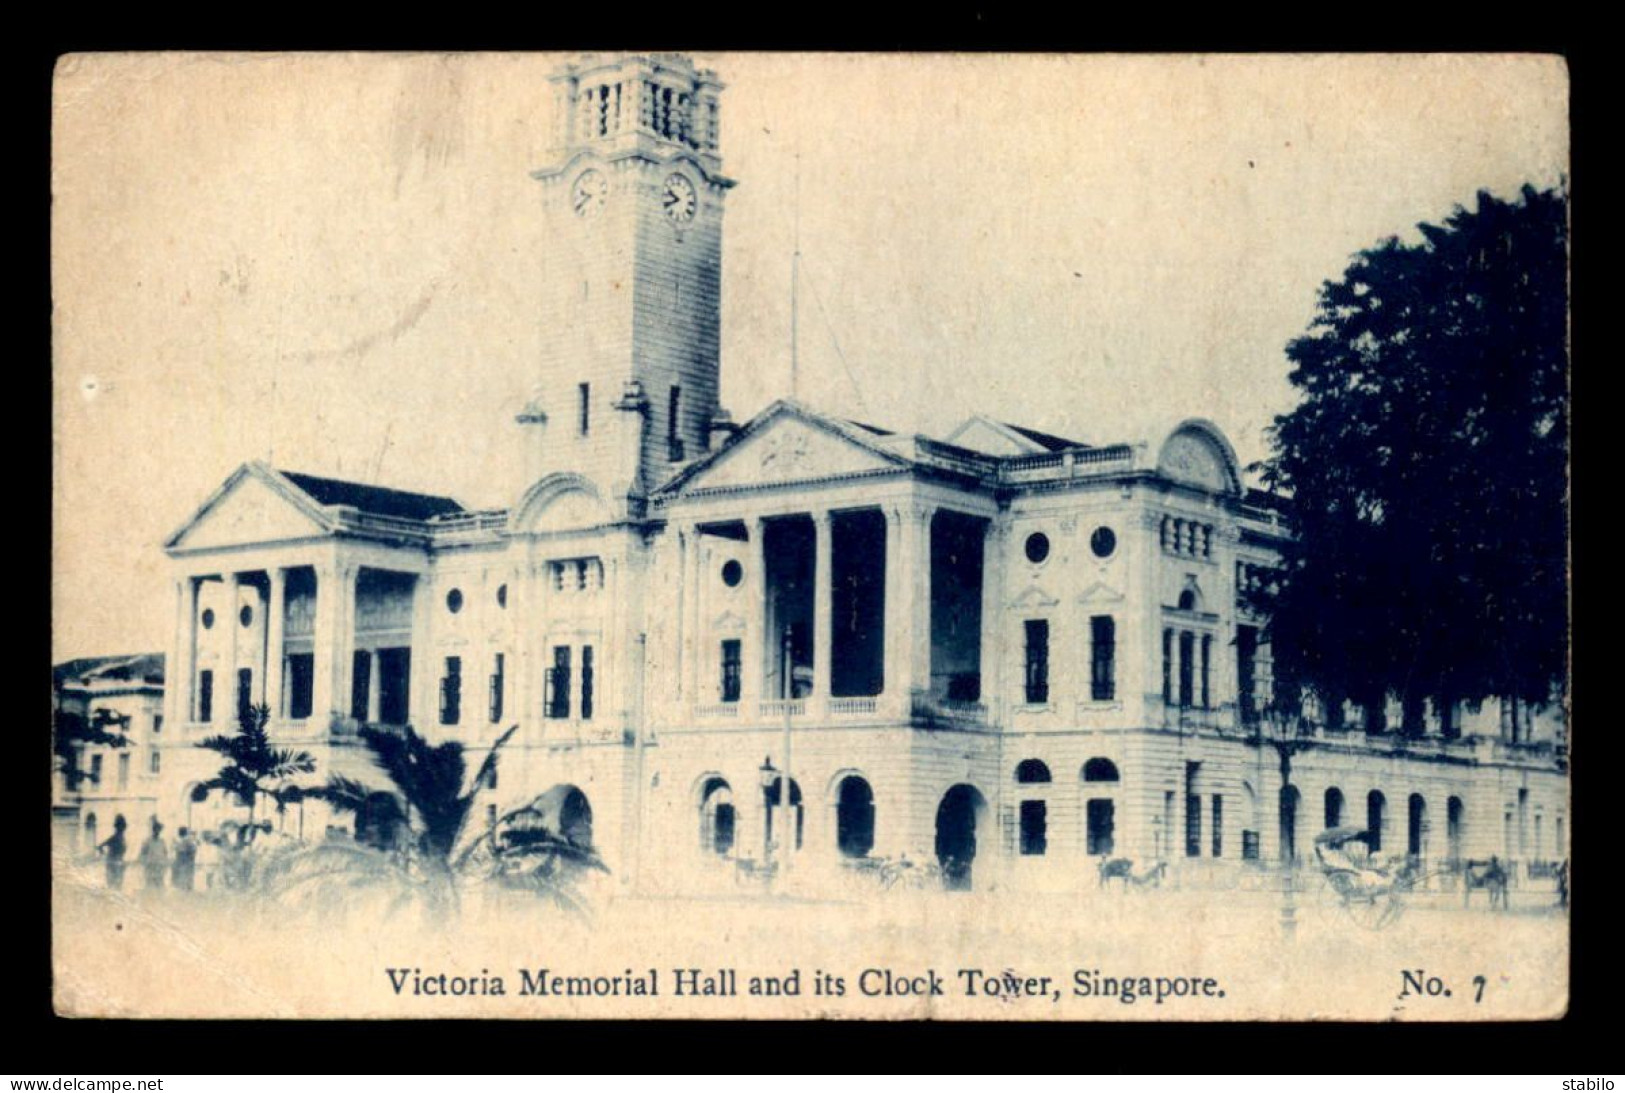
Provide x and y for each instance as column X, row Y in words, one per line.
column 1376, row 912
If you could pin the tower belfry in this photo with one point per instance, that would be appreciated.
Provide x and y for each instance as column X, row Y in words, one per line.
column 626, row 385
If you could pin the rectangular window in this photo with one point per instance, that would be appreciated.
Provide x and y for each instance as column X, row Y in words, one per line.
column 1168, row 667
column 245, row 692
column 498, row 670
column 586, row 683
column 154, row 760
column 1100, row 818
column 1187, row 668
column 1376, row 713
column 1218, row 826
column 1102, row 658
column 1034, row 828
column 205, row 695
column 1449, row 719
column 394, row 685
column 674, row 435
column 1247, row 672
column 451, row 692
column 96, row 769
column 1249, row 846
column 1037, row 678
column 730, row 670
column 1193, row 825
column 558, row 684
column 585, row 422
column 360, row 683
column 157, row 723
column 124, row 771
column 1207, row 660
column 301, row 685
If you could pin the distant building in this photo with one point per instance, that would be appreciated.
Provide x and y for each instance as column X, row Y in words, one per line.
column 123, row 696
column 1006, row 651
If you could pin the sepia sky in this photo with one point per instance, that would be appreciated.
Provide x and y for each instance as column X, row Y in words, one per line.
column 329, row 262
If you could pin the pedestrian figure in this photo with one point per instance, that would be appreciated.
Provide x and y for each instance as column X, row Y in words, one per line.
column 185, row 867
column 208, row 856
column 155, row 858
column 113, row 851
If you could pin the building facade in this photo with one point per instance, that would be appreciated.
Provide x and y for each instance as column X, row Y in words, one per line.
column 123, row 698
column 1012, row 653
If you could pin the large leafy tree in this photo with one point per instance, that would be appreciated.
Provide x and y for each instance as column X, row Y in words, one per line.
column 1426, row 465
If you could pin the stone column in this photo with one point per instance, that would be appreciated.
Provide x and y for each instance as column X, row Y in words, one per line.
column 917, row 577
column 694, row 652
column 228, row 685
column 993, row 628
column 521, row 594
column 755, row 657
column 193, row 590
column 823, row 594
column 894, row 644
column 177, row 695
column 275, row 618
column 335, row 641
column 374, row 678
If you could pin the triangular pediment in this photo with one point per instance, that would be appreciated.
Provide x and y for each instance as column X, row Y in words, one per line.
column 253, row 507
column 1034, row 597
column 728, row 623
column 1100, row 592
column 786, row 445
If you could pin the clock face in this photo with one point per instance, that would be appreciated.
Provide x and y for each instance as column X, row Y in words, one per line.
column 588, row 195
column 679, row 199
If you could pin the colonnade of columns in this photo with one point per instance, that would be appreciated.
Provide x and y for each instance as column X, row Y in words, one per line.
column 906, row 617
column 333, row 644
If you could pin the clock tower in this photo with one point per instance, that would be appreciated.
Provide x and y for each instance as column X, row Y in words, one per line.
column 626, row 387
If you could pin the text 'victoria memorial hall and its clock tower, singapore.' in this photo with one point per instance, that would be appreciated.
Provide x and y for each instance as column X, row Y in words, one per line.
column 1003, row 651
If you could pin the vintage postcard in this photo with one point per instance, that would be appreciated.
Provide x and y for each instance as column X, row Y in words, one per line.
column 1020, row 537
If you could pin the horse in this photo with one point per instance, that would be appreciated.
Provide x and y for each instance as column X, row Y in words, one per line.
column 1489, row 876
column 1116, row 869
column 1123, row 869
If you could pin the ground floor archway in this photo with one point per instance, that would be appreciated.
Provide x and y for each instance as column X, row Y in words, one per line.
column 854, row 817
column 960, row 816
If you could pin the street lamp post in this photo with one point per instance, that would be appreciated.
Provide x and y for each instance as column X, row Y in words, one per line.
column 787, row 835
column 1280, row 731
column 769, row 774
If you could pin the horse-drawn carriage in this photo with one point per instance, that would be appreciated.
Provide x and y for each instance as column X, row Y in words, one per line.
column 1367, row 889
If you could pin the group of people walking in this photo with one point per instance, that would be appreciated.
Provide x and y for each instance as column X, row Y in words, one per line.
column 162, row 865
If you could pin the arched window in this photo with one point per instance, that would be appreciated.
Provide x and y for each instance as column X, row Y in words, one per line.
column 1334, row 807
column 1453, row 816
column 1416, row 826
column 771, row 796
column 855, row 817
column 1100, row 770
column 717, row 817
column 1030, row 771
column 1100, row 813
column 1187, row 600
column 1375, row 805
column 1289, row 822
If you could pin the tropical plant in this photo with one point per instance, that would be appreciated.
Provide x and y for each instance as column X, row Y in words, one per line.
column 431, row 797
column 519, row 851
column 522, row 851
column 72, row 733
column 254, row 767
